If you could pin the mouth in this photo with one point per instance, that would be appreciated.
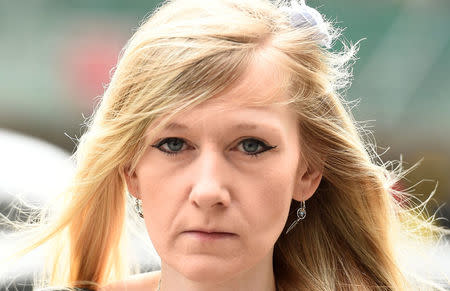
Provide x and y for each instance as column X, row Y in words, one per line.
column 209, row 236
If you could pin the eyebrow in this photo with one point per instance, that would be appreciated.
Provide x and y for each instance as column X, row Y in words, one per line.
column 239, row 126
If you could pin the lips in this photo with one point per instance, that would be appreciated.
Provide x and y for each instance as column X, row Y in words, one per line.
column 209, row 231
column 209, row 236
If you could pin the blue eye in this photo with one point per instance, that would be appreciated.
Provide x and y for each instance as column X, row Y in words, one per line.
column 254, row 147
column 173, row 145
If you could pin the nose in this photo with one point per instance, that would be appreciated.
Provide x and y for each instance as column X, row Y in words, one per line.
column 209, row 189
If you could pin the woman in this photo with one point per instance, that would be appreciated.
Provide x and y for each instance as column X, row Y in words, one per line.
column 224, row 121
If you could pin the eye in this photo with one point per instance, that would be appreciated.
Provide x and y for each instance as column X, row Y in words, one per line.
column 250, row 146
column 254, row 147
column 174, row 145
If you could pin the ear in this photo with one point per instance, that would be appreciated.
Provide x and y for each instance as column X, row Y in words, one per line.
column 132, row 183
column 308, row 180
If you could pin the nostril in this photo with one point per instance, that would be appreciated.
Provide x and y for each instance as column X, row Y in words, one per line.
column 208, row 196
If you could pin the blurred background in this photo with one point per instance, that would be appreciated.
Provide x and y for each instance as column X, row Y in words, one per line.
column 56, row 57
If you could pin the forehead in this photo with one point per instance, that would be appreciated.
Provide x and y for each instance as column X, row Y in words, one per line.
column 256, row 96
column 259, row 91
column 229, row 111
column 262, row 83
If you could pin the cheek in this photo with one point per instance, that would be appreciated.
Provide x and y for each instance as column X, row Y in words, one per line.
column 270, row 203
column 159, row 204
column 154, row 180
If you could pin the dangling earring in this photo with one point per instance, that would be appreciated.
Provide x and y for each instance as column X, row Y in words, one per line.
column 301, row 214
column 138, row 207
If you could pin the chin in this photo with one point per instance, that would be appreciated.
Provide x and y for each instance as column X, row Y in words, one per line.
column 209, row 270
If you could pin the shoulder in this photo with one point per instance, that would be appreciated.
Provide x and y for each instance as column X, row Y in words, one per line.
column 140, row 282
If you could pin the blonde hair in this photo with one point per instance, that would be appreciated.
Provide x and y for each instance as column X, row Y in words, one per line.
column 185, row 53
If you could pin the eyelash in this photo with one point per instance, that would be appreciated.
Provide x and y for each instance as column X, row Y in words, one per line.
column 253, row 155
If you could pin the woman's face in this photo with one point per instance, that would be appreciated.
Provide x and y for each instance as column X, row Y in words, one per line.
column 224, row 168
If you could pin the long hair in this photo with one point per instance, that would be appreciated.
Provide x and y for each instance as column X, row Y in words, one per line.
column 186, row 52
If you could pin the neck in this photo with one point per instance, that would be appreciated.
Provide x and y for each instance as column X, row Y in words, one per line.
column 260, row 278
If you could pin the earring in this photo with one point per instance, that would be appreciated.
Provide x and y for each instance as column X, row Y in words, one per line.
column 138, row 207
column 301, row 214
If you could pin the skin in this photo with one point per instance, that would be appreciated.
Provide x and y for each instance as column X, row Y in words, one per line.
column 213, row 182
